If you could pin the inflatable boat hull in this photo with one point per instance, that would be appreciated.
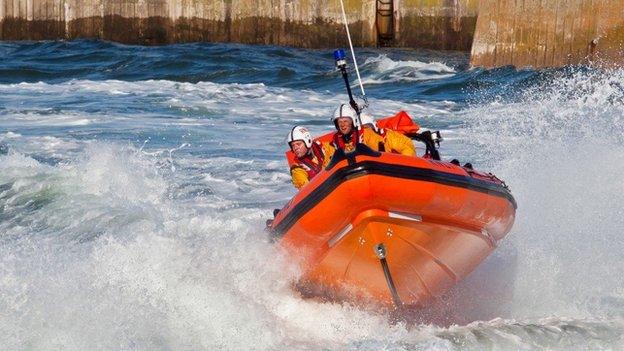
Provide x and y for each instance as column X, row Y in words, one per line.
column 392, row 229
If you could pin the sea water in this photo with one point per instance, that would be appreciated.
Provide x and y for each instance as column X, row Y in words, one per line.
column 135, row 183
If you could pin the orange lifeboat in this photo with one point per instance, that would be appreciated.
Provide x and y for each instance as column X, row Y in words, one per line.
column 392, row 229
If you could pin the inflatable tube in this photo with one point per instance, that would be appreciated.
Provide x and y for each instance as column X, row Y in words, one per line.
column 392, row 229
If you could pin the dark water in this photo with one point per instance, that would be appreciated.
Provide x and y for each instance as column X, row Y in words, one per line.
column 56, row 62
column 135, row 181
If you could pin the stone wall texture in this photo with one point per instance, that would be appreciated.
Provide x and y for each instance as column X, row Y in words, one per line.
column 436, row 24
column 548, row 33
column 303, row 23
column 538, row 33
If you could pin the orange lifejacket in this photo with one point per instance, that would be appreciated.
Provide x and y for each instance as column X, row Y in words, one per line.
column 307, row 162
column 401, row 122
column 338, row 140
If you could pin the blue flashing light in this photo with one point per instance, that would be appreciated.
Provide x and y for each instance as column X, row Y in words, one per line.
column 339, row 54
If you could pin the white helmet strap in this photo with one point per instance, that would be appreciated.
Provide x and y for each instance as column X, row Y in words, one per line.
column 299, row 133
column 292, row 133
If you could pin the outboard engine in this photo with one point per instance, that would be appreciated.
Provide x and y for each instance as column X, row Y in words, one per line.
column 432, row 142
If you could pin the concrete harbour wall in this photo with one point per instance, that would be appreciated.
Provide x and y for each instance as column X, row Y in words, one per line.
column 436, row 24
column 302, row 23
column 538, row 33
column 551, row 33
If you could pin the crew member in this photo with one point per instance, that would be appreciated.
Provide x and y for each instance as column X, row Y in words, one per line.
column 349, row 133
column 310, row 156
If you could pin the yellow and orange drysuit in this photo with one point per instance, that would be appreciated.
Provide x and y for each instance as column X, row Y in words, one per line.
column 305, row 168
column 385, row 140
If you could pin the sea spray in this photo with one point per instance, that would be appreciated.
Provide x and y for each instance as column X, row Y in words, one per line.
column 559, row 147
column 109, row 241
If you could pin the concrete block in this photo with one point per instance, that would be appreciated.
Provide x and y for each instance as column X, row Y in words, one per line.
column 540, row 33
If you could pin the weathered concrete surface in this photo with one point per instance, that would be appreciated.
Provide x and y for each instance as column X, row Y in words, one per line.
column 548, row 33
column 303, row 23
column 436, row 24
column 535, row 33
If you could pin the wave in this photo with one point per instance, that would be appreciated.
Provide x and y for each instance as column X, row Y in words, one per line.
column 559, row 147
column 131, row 209
column 95, row 252
column 125, row 264
column 134, row 104
column 382, row 70
column 56, row 62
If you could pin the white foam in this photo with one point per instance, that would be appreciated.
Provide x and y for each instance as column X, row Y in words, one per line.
column 10, row 135
column 108, row 261
column 114, row 248
column 386, row 70
column 560, row 150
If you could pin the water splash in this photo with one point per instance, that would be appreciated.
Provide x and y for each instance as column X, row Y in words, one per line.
column 382, row 69
column 560, row 149
column 104, row 246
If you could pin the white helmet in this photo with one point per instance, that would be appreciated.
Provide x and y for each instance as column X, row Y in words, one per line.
column 368, row 119
column 300, row 133
column 345, row 110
